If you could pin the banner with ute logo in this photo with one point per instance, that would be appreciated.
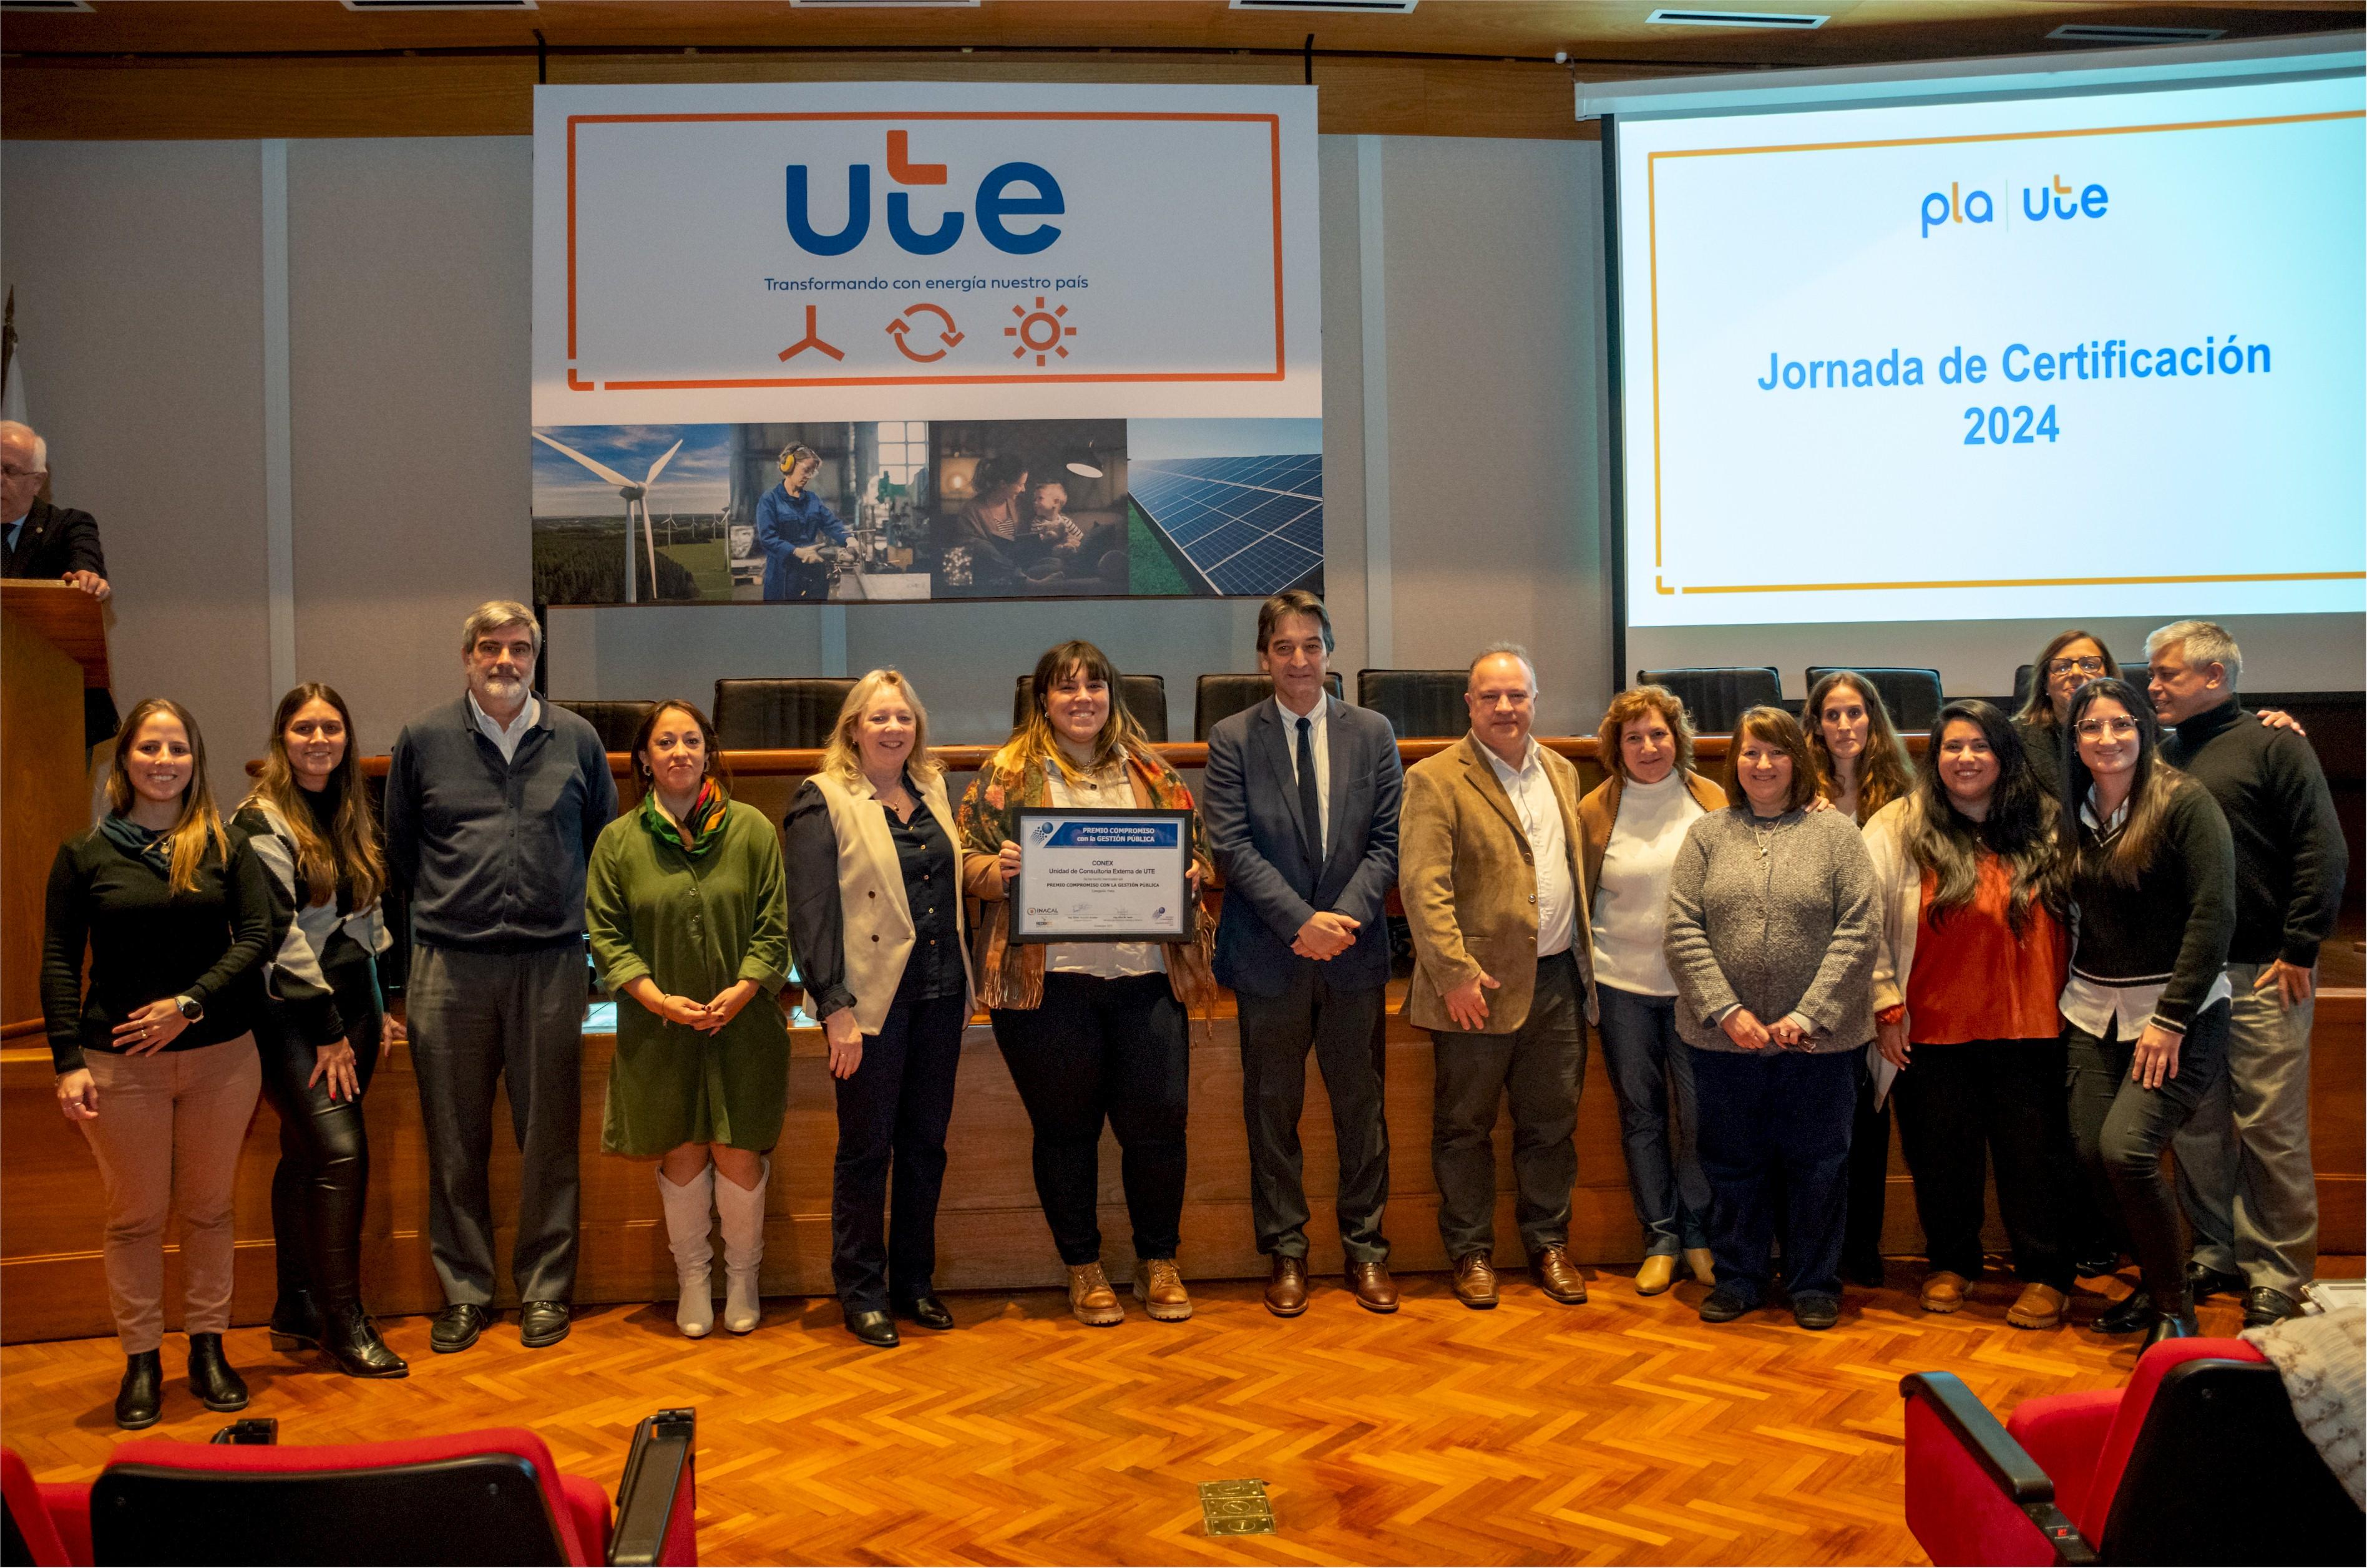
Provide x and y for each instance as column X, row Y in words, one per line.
column 849, row 341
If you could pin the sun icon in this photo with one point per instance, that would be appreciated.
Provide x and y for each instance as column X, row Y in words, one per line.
column 1039, row 331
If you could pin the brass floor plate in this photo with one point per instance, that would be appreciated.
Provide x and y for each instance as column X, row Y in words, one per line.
column 1235, row 1507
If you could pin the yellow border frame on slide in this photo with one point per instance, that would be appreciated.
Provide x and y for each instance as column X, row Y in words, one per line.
column 1651, row 199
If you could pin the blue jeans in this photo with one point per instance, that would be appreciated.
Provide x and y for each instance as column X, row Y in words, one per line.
column 1771, row 1111
column 1652, row 1073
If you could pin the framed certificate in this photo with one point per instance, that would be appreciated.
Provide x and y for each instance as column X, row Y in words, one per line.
column 1091, row 875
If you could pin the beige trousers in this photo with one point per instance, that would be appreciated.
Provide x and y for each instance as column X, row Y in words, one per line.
column 167, row 1135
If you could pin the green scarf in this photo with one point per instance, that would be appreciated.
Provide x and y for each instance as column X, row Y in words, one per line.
column 140, row 843
column 704, row 819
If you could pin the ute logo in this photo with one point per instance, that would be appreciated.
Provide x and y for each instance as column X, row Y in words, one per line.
column 1010, row 190
column 2054, row 199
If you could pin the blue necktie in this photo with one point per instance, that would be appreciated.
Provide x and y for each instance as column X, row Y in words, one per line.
column 1311, row 808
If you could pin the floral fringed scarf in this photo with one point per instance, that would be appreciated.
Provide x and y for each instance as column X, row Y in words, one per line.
column 703, row 821
column 1009, row 974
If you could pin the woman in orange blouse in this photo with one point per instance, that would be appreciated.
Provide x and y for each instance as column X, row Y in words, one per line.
column 1966, row 978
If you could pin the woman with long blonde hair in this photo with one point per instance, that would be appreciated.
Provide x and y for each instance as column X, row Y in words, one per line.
column 1094, row 1032
column 875, row 923
column 156, row 1061
column 308, row 820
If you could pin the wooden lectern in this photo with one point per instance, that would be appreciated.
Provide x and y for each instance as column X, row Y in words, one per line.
column 53, row 646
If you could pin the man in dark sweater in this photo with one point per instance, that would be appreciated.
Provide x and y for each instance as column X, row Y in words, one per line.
column 2244, row 1170
column 492, row 804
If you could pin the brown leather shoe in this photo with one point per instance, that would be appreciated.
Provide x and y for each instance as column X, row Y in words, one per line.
column 1376, row 1291
column 1159, row 1288
column 1944, row 1290
column 1474, row 1281
column 1657, row 1273
column 1556, row 1276
column 1285, row 1289
column 1090, row 1299
column 1704, row 1265
column 2038, row 1306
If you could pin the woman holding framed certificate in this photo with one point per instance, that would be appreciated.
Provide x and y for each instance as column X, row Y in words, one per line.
column 1093, row 1027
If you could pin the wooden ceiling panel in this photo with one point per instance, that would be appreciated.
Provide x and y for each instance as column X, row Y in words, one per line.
column 242, row 68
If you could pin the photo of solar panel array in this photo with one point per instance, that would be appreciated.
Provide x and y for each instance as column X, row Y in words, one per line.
column 1246, row 525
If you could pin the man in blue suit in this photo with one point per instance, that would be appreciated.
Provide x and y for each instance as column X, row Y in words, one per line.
column 1300, row 802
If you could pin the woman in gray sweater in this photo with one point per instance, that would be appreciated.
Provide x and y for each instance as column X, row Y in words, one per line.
column 1772, row 918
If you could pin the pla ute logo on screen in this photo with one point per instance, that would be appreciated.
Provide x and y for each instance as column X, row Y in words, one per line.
column 2054, row 199
column 999, row 199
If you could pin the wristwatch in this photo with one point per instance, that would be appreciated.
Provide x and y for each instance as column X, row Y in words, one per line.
column 191, row 1008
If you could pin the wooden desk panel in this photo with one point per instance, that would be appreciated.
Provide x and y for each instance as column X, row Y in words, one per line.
column 991, row 1234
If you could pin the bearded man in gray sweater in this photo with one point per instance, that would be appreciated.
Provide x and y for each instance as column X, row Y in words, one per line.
column 492, row 804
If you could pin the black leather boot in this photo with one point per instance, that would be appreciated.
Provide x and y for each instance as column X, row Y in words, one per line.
column 142, row 1398
column 2134, row 1314
column 351, row 1340
column 295, row 1320
column 211, row 1377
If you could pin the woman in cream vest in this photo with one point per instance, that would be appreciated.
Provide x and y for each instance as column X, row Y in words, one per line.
column 876, row 927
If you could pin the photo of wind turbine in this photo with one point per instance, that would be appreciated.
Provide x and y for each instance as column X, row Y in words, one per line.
column 637, row 502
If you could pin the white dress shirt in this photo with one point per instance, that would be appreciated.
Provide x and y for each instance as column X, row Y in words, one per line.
column 1322, row 749
column 2096, row 1007
column 505, row 740
column 1539, row 808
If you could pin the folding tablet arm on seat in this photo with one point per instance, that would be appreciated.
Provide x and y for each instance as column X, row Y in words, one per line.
column 657, row 1502
column 1974, row 1495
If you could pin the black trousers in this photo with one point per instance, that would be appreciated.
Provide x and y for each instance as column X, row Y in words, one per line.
column 1772, row 1121
column 322, row 1179
column 1540, row 1069
column 893, row 1110
column 1344, row 1030
column 1869, row 1179
column 2120, row 1128
column 1960, row 1105
column 1103, row 1050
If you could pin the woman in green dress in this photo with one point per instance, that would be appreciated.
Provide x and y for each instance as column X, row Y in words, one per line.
column 688, row 917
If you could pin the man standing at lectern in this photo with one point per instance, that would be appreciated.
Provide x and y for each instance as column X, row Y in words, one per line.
column 493, row 804
column 52, row 543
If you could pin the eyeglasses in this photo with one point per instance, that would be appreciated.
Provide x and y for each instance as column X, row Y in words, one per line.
column 2097, row 728
column 2084, row 666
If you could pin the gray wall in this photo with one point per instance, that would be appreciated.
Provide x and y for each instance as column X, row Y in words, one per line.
column 139, row 272
column 139, row 277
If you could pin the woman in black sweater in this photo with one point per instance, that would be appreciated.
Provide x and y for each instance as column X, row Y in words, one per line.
column 2144, row 1011
column 309, row 822
column 155, row 1062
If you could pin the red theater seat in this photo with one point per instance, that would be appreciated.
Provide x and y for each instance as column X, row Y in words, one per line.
column 2197, row 1460
column 493, row 1496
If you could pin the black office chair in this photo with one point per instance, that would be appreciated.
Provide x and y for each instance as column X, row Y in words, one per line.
column 1716, row 697
column 1217, row 698
column 1420, row 705
column 1145, row 698
column 618, row 722
column 773, row 715
column 2022, row 684
column 1911, row 695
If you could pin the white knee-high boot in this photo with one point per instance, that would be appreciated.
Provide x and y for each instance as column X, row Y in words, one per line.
column 743, row 1208
column 689, row 1217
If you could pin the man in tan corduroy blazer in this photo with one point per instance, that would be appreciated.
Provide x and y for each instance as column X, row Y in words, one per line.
column 1488, row 848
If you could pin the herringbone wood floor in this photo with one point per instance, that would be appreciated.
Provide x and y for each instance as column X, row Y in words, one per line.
column 1621, row 1431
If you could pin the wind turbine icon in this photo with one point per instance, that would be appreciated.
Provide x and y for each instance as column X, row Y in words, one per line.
column 636, row 502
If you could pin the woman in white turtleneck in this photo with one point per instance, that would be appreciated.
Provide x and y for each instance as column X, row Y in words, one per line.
column 1632, row 823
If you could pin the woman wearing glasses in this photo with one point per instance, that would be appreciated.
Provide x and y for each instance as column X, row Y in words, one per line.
column 2144, row 1011
column 2068, row 662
